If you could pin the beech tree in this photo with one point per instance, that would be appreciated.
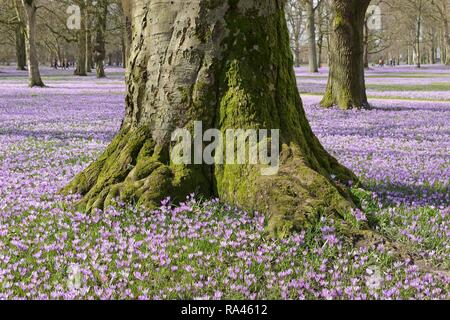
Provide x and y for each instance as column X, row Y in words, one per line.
column 441, row 10
column 11, row 18
column 81, row 41
column 99, row 47
column 346, row 85
column 229, row 65
column 21, row 54
column 294, row 17
column 311, row 9
column 34, row 76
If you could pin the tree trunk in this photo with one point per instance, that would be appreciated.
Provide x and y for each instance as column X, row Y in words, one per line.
column 417, row 49
column 229, row 65
column 81, row 36
column 34, row 76
column 409, row 58
column 346, row 85
column 124, row 51
column 89, row 58
column 366, row 45
column 320, row 51
column 320, row 36
column 99, row 48
column 21, row 55
column 311, row 34
column 432, row 55
column 447, row 41
column 127, row 34
column 297, row 52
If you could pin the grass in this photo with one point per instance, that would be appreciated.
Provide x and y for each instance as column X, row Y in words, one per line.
column 389, row 97
column 438, row 86
column 194, row 260
column 387, row 75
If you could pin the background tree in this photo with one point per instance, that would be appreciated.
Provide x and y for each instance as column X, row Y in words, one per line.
column 34, row 76
column 323, row 24
column 311, row 8
column 81, row 41
column 21, row 53
column 376, row 40
column 14, row 28
column 441, row 14
column 99, row 47
column 346, row 85
column 414, row 14
column 229, row 66
column 294, row 17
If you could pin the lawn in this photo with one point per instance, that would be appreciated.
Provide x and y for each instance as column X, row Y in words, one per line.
column 204, row 248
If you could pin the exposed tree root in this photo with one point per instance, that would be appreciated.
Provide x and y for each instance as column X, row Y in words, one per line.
column 133, row 170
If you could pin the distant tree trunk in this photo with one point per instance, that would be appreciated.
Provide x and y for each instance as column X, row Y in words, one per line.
column 320, row 36
column 417, row 43
column 366, row 45
column 311, row 34
column 81, row 36
column 21, row 55
column 127, row 31
column 297, row 52
column 447, row 41
column 229, row 65
column 89, row 58
column 432, row 51
column 124, row 51
column 346, row 85
column 320, row 51
column 34, row 76
column 99, row 48
column 409, row 56
column 127, row 40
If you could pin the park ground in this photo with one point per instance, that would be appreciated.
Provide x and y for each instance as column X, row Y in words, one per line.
column 203, row 248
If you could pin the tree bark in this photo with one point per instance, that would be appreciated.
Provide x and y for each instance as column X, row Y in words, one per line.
column 80, row 69
column 447, row 41
column 34, row 76
column 346, row 85
column 21, row 55
column 229, row 65
column 320, row 36
column 127, row 32
column 89, row 58
column 366, row 44
column 99, row 48
column 297, row 53
column 417, row 43
column 311, row 34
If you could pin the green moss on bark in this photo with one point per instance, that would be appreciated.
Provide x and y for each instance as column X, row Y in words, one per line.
column 249, row 84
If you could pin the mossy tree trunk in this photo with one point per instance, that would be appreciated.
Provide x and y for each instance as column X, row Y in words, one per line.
column 21, row 55
column 229, row 65
column 346, row 85
column 34, row 75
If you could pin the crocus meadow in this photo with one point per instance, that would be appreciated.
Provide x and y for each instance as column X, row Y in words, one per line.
column 205, row 249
